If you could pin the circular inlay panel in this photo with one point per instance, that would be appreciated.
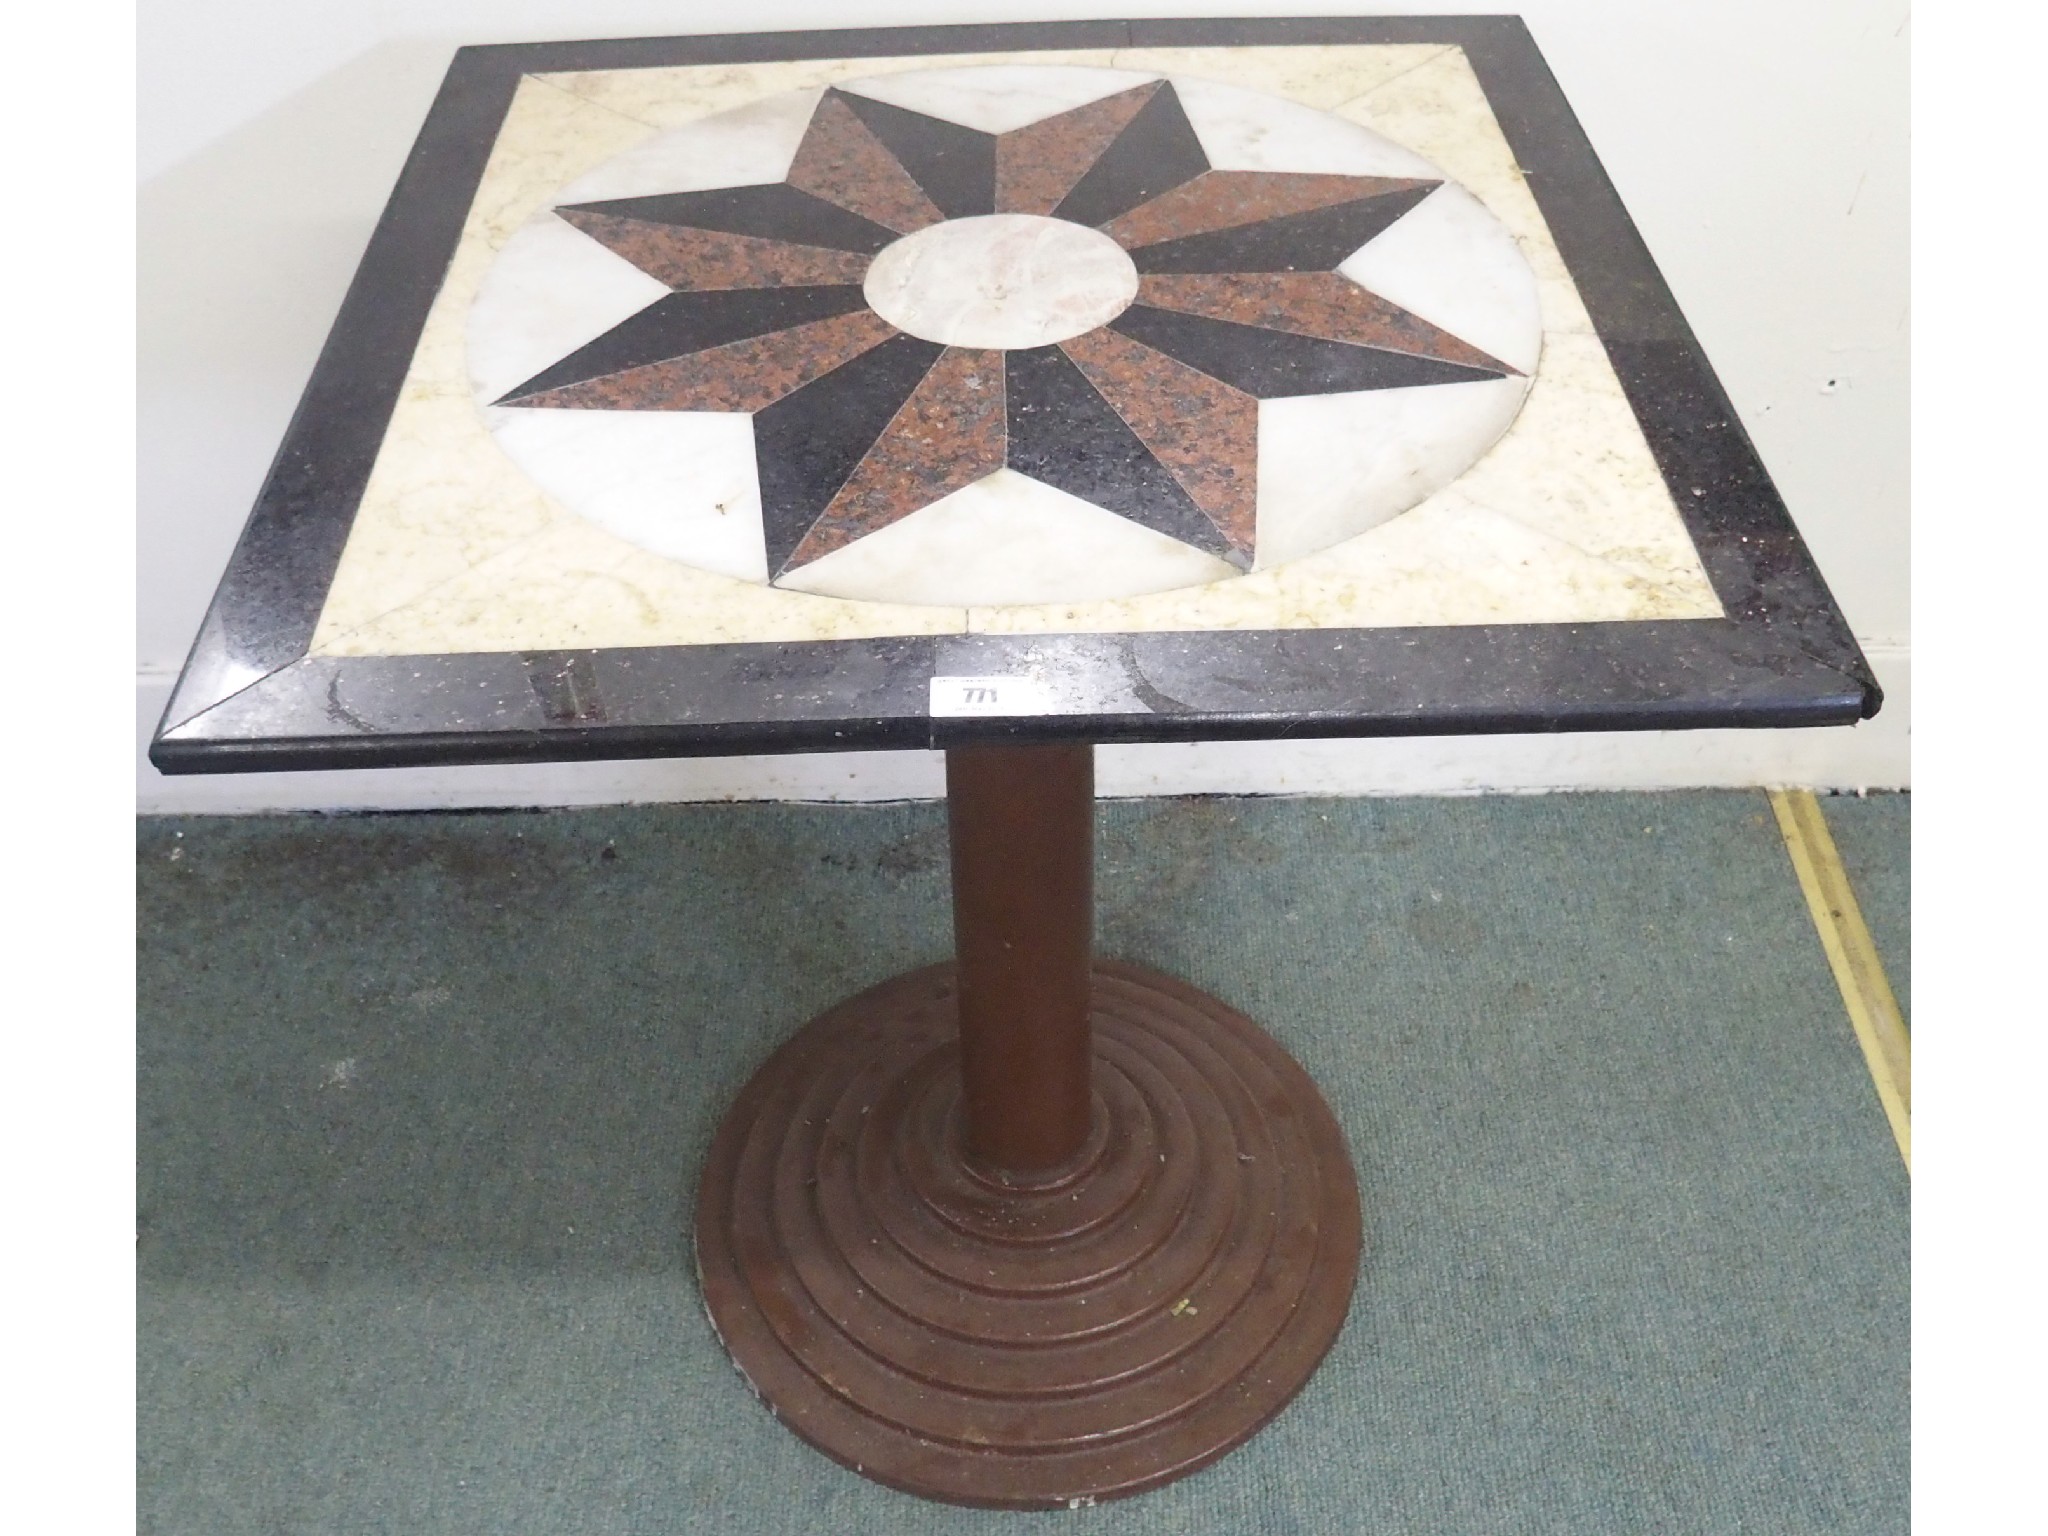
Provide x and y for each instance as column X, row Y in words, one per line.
column 1003, row 335
column 1001, row 280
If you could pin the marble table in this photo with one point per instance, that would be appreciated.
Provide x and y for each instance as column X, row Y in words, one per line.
column 1007, row 390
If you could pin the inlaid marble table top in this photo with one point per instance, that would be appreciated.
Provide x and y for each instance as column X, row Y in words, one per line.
column 1118, row 381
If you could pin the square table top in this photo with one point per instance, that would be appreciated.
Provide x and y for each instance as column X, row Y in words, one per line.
column 1121, row 381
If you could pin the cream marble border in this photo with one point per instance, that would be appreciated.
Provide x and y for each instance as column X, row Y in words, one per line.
column 453, row 549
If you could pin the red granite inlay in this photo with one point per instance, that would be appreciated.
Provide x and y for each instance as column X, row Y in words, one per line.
column 843, row 162
column 739, row 376
column 1205, row 432
column 1038, row 164
column 1226, row 199
column 1325, row 304
column 949, row 433
column 699, row 259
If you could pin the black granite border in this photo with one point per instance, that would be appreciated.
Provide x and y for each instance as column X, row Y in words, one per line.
column 250, row 698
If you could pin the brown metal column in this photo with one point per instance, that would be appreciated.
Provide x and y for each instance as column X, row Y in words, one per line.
column 1022, row 820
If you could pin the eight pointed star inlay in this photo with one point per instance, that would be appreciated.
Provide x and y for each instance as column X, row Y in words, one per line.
column 1153, row 416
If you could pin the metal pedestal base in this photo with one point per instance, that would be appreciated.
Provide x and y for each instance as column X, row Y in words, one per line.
column 1058, row 1337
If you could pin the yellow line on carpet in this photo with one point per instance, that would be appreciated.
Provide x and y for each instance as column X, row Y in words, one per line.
column 1873, row 1011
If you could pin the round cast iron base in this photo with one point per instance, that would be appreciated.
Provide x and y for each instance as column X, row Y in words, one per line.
column 1108, row 1328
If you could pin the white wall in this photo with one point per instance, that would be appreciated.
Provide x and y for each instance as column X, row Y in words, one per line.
column 1759, row 144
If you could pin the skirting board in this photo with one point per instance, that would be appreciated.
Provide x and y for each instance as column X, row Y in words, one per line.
column 1872, row 755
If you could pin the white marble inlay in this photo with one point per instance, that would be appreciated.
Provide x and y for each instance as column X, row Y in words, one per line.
column 1449, row 261
column 1315, row 77
column 1001, row 280
column 1439, row 110
column 997, row 98
column 1333, row 466
column 1253, row 131
column 743, row 147
column 574, row 585
column 552, row 289
column 679, row 483
column 672, row 95
column 1007, row 539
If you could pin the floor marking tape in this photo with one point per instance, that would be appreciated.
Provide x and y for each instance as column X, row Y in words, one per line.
column 1873, row 1010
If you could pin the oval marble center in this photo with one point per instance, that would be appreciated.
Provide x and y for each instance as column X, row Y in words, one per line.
column 1001, row 280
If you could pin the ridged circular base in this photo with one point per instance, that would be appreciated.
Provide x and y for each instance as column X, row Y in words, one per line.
column 1101, row 1332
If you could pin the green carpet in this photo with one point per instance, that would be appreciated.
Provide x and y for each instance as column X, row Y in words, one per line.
column 423, row 1098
